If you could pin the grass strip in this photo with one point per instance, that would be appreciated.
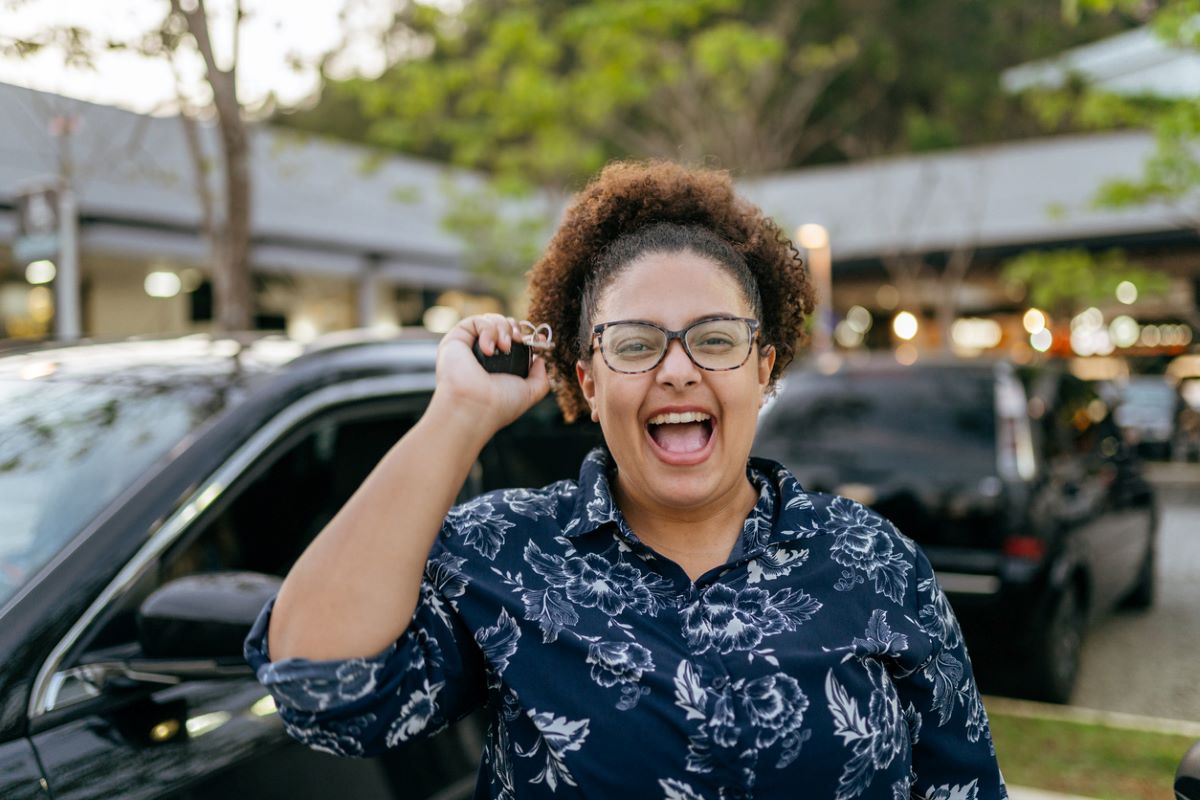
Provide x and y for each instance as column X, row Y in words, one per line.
column 1086, row 759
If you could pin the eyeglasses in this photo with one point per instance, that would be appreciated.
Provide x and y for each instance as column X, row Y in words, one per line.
column 714, row 344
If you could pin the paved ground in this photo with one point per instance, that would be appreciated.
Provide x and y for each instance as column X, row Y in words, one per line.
column 1149, row 662
column 1021, row 793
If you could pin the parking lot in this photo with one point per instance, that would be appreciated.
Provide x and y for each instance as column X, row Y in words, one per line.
column 1146, row 662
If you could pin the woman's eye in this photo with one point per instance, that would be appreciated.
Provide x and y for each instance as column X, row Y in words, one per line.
column 632, row 348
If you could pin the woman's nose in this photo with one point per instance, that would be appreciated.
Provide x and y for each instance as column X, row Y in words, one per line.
column 677, row 368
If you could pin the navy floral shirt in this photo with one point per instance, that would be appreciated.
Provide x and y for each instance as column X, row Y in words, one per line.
column 822, row 658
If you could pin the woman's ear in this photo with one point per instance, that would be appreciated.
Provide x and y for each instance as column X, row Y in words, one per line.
column 766, row 363
column 587, row 385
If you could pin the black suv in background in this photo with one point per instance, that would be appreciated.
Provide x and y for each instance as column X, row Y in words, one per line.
column 1015, row 481
column 134, row 478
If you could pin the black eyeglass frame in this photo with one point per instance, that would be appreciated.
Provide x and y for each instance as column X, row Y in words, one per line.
column 681, row 334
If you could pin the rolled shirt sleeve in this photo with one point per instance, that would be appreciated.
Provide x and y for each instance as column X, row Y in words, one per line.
column 431, row 676
column 952, row 752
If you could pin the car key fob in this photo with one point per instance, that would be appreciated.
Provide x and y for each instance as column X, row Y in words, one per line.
column 515, row 362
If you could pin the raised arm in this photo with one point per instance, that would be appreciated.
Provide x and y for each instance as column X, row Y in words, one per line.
column 354, row 590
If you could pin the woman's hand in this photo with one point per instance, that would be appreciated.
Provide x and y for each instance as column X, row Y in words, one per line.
column 464, row 387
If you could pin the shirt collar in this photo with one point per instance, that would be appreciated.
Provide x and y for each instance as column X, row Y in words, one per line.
column 784, row 511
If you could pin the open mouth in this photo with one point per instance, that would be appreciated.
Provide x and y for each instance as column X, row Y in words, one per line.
column 681, row 436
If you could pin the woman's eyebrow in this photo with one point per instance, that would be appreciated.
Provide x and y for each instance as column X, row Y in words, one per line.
column 692, row 321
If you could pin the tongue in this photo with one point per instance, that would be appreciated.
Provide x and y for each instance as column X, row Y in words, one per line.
column 681, row 437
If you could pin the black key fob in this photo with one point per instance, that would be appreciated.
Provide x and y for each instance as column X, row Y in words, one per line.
column 515, row 362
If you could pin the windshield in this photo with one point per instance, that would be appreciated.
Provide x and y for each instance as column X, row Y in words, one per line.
column 69, row 448
column 872, row 425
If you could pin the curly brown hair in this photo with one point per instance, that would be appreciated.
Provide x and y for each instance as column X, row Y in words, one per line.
column 585, row 255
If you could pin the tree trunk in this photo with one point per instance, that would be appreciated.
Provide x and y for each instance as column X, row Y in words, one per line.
column 233, row 293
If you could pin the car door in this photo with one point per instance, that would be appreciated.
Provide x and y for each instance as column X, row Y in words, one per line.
column 222, row 738
column 1101, row 533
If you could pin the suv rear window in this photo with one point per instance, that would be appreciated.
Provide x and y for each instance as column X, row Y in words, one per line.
column 932, row 420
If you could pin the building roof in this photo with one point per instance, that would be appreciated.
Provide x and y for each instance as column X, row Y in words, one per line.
column 328, row 207
column 1134, row 62
column 318, row 205
column 1025, row 193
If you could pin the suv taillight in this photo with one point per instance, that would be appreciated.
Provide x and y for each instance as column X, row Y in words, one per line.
column 1028, row 548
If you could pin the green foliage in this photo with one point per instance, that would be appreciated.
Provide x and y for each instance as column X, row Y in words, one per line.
column 549, row 91
column 1064, row 281
column 1171, row 175
column 502, row 231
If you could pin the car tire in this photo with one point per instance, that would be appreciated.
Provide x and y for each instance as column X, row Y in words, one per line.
column 1141, row 596
column 1058, row 650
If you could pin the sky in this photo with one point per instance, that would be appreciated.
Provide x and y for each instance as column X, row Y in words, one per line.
column 275, row 33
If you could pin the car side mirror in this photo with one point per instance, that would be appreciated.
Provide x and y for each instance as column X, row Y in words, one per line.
column 1187, row 777
column 205, row 616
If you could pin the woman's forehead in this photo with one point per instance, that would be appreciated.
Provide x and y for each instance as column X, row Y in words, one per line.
column 672, row 288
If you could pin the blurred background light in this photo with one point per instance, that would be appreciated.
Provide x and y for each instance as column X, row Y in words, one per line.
column 906, row 354
column 859, row 319
column 440, row 319
column 975, row 333
column 1034, row 320
column 1124, row 331
column 162, row 284
column 812, row 236
column 1127, row 292
column 1041, row 340
column 40, row 303
column 905, row 325
column 846, row 335
column 40, row 271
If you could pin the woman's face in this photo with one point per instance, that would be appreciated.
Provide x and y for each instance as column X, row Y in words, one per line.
column 676, row 466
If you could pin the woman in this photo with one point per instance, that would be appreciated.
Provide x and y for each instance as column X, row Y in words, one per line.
column 683, row 621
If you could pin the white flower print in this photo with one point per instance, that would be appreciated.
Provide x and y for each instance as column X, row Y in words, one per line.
column 499, row 642
column 863, row 546
column 937, row 618
column 326, row 740
column 875, row 739
column 600, row 508
column 531, row 504
column 967, row 791
column 480, row 526
column 728, row 620
column 775, row 562
column 945, row 672
column 591, row 581
column 415, row 715
column 678, row 790
column 879, row 640
column 561, row 736
column 620, row 663
column 773, row 706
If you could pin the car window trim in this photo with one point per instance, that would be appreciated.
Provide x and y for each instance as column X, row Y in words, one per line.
column 49, row 680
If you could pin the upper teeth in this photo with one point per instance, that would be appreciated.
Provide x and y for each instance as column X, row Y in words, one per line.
column 674, row 419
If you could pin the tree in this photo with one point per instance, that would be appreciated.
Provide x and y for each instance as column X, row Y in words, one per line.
column 1065, row 280
column 1170, row 177
column 549, row 91
column 186, row 30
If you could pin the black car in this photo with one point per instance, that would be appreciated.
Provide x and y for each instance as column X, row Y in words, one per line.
column 1014, row 479
column 140, row 483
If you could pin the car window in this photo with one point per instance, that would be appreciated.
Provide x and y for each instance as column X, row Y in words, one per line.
column 537, row 449
column 265, row 520
column 68, row 448
column 931, row 420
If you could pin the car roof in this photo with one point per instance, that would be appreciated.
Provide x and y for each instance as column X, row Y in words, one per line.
column 215, row 358
column 876, row 362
